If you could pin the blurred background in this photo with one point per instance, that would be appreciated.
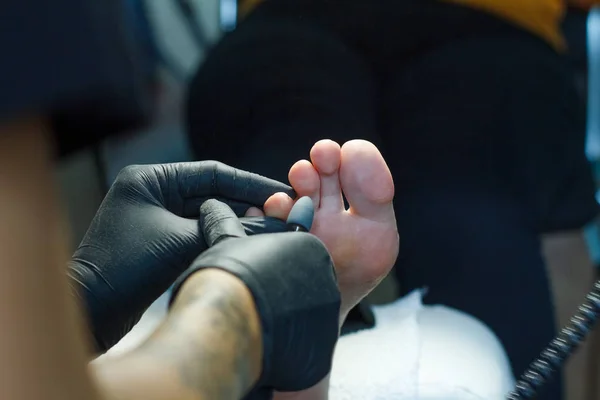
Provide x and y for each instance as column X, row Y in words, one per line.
column 178, row 34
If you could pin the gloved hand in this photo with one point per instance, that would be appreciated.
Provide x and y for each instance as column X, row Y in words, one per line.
column 145, row 235
column 292, row 280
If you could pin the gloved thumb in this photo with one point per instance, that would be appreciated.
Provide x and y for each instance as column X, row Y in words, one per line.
column 218, row 222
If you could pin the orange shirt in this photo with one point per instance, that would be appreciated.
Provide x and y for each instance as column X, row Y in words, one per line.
column 541, row 17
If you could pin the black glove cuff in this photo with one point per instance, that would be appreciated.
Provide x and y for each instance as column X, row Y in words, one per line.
column 246, row 275
column 292, row 280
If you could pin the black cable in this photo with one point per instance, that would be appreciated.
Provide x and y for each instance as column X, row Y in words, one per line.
column 560, row 349
column 591, row 387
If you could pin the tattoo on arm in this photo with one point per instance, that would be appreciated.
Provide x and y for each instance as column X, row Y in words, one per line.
column 209, row 340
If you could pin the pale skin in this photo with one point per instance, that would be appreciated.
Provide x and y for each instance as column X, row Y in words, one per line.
column 363, row 240
column 41, row 341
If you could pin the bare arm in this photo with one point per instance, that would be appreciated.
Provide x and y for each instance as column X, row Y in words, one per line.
column 209, row 347
column 41, row 334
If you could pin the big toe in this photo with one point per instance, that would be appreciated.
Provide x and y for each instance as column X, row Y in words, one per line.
column 366, row 181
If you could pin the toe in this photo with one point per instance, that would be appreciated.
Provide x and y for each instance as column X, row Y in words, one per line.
column 278, row 206
column 326, row 157
column 254, row 212
column 304, row 178
column 366, row 181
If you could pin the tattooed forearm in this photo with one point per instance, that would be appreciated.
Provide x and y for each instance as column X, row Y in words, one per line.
column 210, row 346
column 209, row 339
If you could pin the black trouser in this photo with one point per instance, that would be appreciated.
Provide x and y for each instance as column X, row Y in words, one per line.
column 479, row 123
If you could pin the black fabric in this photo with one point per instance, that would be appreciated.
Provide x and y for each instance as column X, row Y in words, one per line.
column 277, row 83
column 574, row 29
column 480, row 123
column 359, row 318
column 295, row 106
column 74, row 61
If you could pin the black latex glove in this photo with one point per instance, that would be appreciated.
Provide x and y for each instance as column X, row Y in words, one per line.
column 145, row 235
column 292, row 279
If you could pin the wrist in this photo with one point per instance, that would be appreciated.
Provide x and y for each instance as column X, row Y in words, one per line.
column 225, row 301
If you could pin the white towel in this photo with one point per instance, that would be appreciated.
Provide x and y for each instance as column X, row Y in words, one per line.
column 420, row 353
column 365, row 366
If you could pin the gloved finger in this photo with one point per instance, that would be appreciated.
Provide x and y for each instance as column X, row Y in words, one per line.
column 212, row 179
column 191, row 207
column 302, row 214
column 260, row 225
column 219, row 222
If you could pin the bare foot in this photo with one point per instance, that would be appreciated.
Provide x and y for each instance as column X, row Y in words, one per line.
column 362, row 240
